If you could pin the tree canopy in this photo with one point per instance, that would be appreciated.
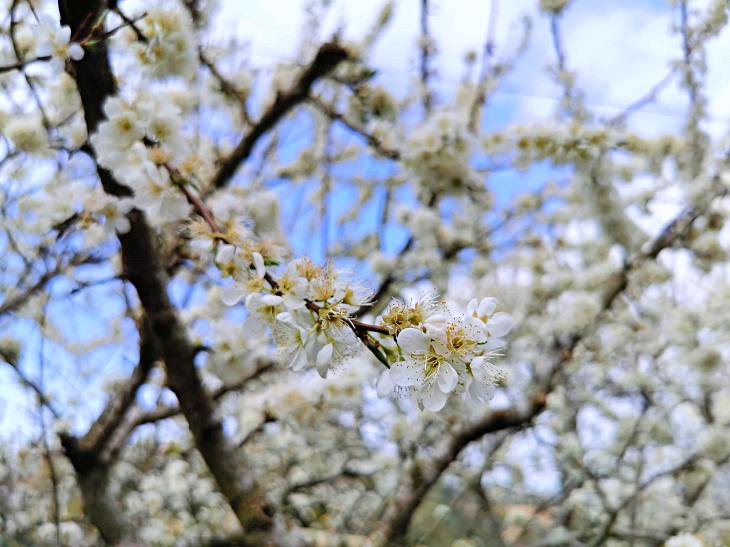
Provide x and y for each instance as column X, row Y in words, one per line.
column 295, row 304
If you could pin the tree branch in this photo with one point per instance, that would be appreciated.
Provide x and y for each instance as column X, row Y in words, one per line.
column 143, row 268
column 327, row 58
column 169, row 411
column 87, row 453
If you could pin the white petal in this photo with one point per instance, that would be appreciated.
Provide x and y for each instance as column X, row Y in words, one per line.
column 122, row 225
column 406, row 373
column 481, row 392
column 385, row 383
column 413, row 341
column 232, row 294
column 44, row 49
column 271, row 300
column 64, row 34
column 492, row 344
column 76, row 52
column 487, row 307
column 324, row 358
column 447, row 378
column 436, row 324
column 499, row 324
column 253, row 301
column 114, row 107
column 293, row 302
column 225, row 254
column 312, row 348
column 258, row 262
column 286, row 318
column 254, row 326
column 298, row 359
column 484, row 372
column 435, row 400
column 472, row 306
column 46, row 20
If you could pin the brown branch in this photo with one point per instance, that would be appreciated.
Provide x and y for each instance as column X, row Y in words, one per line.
column 127, row 22
column 14, row 302
column 86, row 454
column 426, row 95
column 327, row 58
column 200, row 206
column 120, row 402
column 644, row 100
column 34, row 387
column 375, row 143
column 22, row 64
column 480, row 94
column 227, row 87
column 143, row 268
column 31, row 84
column 170, row 411
column 422, row 477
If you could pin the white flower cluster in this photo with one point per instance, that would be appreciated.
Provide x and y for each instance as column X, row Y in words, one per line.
column 55, row 41
column 169, row 50
column 137, row 142
column 308, row 309
column 27, row 134
column 431, row 353
column 443, row 354
column 438, row 155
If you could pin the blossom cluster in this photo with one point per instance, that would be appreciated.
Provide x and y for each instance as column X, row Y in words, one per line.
column 55, row 41
column 430, row 353
column 168, row 49
column 438, row 155
column 137, row 142
column 441, row 353
column 308, row 308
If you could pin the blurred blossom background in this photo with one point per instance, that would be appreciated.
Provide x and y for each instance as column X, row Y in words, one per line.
column 327, row 272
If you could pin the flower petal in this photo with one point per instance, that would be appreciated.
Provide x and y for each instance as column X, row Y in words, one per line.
column 75, row 51
column 481, row 392
column 436, row 324
column 435, row 400
column 406, row 373
column 484, row 371
column 447, row 378
column 232, row 294
column 487, row 307
column 294, row 302
column 298, row 359
column 271, row 300
column 258, row 262
column 492, row 344
column 499, row 324
column 412, row 341
column 385, row 384
column 324, row 358
column 286, row 318
column 122, row 225
column 225, row 254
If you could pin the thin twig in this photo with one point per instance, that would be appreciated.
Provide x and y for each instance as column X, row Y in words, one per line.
column 22, row 64
column 327, row 58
